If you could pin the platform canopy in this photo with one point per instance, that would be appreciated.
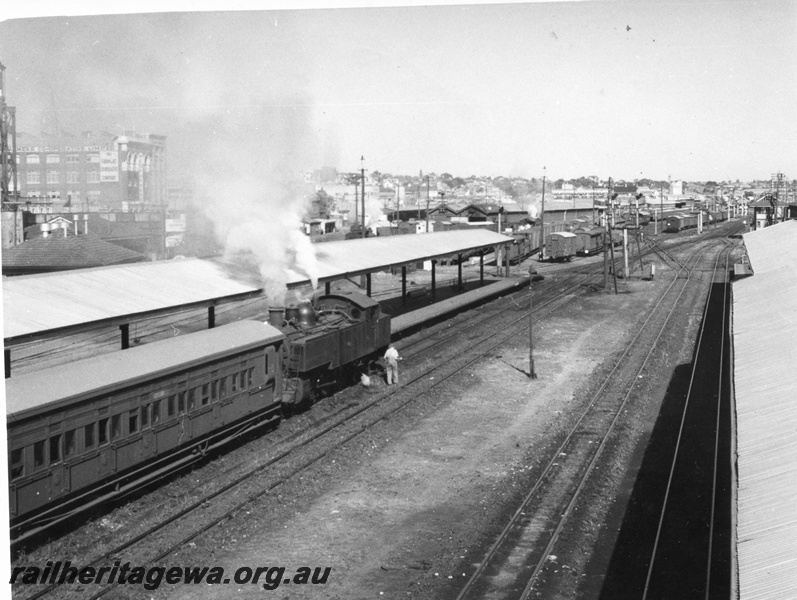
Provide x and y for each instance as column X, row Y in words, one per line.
column 55, row 304
column 348, row 258
column 66, row 302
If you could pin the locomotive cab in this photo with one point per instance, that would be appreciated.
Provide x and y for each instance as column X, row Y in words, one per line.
column 331, row 342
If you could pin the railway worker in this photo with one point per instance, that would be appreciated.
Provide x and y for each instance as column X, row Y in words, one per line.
column 391, row 364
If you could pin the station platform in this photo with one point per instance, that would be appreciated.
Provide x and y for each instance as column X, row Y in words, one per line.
column 436, row 310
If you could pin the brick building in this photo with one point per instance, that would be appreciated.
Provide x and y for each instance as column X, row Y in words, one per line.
column 92, row 172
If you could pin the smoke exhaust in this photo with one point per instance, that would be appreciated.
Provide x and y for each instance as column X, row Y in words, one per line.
column 275, row 316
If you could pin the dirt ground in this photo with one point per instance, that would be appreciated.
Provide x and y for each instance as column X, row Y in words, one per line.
column 404, row 511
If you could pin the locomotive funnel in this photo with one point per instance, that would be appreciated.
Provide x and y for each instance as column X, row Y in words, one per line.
column 275, row 316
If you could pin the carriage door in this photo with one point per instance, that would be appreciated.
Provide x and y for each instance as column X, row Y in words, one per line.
column 107, row 453
column 59, row 477
column 149, row 441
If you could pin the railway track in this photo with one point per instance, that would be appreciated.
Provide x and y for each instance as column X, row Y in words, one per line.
column 516, row 564
column 173, row 532
column 693, row 476
column 680, row 547
column 489, row 343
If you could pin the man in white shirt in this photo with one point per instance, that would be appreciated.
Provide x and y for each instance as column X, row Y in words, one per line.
column 391, row 364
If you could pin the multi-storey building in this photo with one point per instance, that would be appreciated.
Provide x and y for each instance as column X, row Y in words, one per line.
column 92, row 172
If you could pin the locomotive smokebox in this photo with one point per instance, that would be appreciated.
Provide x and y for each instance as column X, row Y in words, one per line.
column 275, row 316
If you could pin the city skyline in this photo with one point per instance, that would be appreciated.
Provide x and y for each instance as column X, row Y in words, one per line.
column 691, row 91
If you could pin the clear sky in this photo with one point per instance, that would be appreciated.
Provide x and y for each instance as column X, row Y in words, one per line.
column 692, row 90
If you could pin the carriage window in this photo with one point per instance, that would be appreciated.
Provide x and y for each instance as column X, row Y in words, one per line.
column 116, row 426
column 192, row 398
column 266, row 357
column 103, row 431
column 38, row 454
column 145, row 416
column 88, row 436
column 55, row 448
column 17, row 463
column 205, row 393
column 132, row 421
column 170, row 406
column 181, row 402
column 214, row 390
column 70, row 442
column 243, row 379
column 222, row 387
column 250, row 376
column 234, row 385
column 156, row 412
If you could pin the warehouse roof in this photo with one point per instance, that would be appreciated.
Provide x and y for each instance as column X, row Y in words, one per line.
column 52, row 304
column 765, row 382
column 73, row 252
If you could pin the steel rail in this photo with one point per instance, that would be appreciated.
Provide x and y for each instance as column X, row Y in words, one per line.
column 555, row 455
column 679, row 438
column 341, row 442
column 717, row 437
column 295, row 447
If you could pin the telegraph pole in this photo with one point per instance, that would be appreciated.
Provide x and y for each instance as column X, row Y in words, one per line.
column 778, row 178
column 427, row 204
column 542, row 218
column 532, row 372
column 362, row 178
column 661, row 210
column 610, row 227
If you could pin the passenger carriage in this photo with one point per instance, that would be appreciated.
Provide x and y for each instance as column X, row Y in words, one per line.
column 74, row 425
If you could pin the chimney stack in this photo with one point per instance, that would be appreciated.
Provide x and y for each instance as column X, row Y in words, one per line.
column 275, row 317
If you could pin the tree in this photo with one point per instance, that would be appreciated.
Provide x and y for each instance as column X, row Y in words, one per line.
column 352, row 178
column 323, row 204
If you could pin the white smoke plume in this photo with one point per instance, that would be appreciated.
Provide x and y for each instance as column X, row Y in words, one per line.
column 263, row 231
column 251, row 188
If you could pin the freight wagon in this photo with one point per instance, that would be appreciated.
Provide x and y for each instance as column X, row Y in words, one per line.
column 589, row 240
column 560, row 245
column 680, row 222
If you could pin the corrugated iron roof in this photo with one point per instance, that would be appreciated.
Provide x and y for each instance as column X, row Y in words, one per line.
column 765, row 382
column 355, row 257
column 35, row 304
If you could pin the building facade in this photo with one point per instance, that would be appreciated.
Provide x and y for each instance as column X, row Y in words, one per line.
column 92, row 172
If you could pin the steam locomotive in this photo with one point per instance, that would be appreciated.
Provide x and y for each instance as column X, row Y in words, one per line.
column 81, row 432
